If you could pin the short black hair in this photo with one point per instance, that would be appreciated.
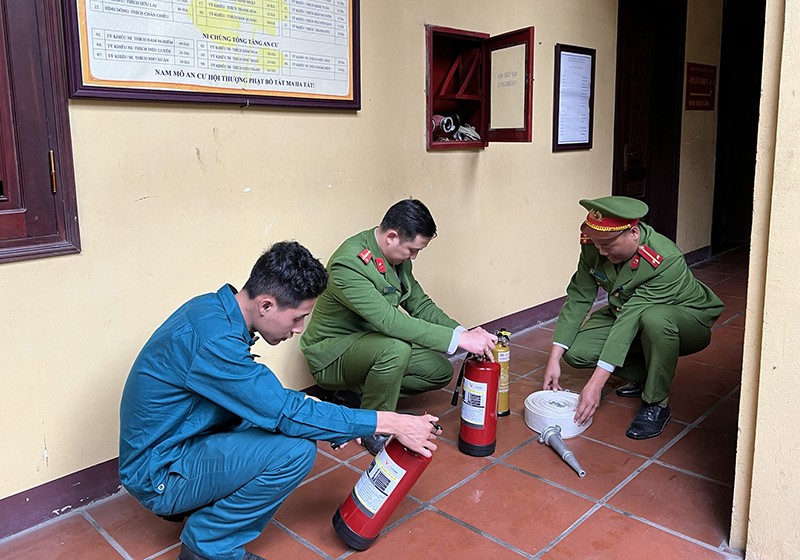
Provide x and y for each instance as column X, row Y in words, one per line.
column 288, row 272
column 409, row 218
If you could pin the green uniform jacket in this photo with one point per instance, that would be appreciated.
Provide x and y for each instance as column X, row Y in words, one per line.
column 359, row 299
column 638, row 285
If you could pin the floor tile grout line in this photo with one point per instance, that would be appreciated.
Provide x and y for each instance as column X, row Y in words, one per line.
column 319, row 475
column 42, row 525
column 480, row 532
column 648, row 461
column 461, row 483
column 103, row 533
column 728, row 320
column 603, row 502
column 566, row 532
column 696, row 423
column 664, row 528
column 297, row 537
column 73, row 513
column 550, row 482
column 691, row 473
column 164, row 551
column 611, row 493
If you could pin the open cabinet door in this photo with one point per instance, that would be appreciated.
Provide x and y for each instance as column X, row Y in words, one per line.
column 508, row 86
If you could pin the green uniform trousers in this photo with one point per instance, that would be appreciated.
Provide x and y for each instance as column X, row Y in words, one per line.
column 665, row 332
column 384, row 369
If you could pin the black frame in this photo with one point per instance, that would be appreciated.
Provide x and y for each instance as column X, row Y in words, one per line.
column 78, row 89
column 591, row 53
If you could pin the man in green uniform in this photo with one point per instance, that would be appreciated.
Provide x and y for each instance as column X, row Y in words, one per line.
column 374, row 330
column 657, row 310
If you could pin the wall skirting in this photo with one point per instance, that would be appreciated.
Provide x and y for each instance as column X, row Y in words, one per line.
column 48, row 501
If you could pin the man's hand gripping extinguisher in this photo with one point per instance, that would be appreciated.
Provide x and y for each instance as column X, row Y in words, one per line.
column 478, row 433
column 381, row 488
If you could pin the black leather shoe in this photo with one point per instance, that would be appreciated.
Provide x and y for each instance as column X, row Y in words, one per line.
column 187, row 553
column 374, row 443
column 649, row 421
column 632, row 389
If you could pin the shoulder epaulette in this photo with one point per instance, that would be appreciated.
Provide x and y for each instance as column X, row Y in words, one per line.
column 650, row 256
column 585, row 239
column 365, row 256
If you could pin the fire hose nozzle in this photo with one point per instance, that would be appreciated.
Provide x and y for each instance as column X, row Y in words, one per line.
column 551, row 436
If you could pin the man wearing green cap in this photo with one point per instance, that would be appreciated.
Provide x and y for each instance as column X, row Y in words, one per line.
column 657, row 310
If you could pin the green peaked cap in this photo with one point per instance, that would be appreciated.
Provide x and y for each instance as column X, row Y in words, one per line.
column 613, row 213
column 617, row 207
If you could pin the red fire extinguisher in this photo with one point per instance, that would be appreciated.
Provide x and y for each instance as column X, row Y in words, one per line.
column 478, row 433
column 376, row 495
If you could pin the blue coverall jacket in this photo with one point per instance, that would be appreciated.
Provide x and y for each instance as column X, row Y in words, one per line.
column 196, row 378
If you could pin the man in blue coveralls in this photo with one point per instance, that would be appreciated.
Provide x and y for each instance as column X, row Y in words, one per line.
column 209, row 433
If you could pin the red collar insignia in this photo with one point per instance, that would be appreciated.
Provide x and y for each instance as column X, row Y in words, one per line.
column 365, row 256
column 650, row 256
column 380, row 265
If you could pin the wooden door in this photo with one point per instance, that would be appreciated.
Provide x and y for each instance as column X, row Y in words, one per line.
column 650, row 69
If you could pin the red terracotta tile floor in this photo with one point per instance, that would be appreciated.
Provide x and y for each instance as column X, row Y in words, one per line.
column 667, row 497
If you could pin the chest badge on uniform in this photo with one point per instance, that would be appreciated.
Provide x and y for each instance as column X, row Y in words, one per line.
column 380, row 265
column 365, row 256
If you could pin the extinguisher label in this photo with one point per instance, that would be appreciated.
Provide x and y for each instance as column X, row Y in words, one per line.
column 377, row 483
column 504, row 356
column 473, row 405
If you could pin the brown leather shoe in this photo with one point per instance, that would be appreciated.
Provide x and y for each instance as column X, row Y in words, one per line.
column 632, row 389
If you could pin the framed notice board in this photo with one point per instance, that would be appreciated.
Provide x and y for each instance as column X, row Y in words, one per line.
column 274, row 52
column 573, row 98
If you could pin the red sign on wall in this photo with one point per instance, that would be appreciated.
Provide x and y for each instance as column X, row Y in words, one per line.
column 701, row 86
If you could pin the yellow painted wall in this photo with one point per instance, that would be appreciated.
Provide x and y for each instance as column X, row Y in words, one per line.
column 176, row 199
column 698, row 132
column 767, row 496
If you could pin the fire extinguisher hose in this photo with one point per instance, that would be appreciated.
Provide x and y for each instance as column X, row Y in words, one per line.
column 459, row 381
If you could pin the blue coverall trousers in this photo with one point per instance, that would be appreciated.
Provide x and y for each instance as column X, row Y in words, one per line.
column 235, row 481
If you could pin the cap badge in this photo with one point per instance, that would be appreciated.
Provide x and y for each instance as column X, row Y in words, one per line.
column 596, row 215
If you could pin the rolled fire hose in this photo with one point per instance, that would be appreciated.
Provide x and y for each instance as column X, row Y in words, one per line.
column 550, row 413
column 553, row 408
